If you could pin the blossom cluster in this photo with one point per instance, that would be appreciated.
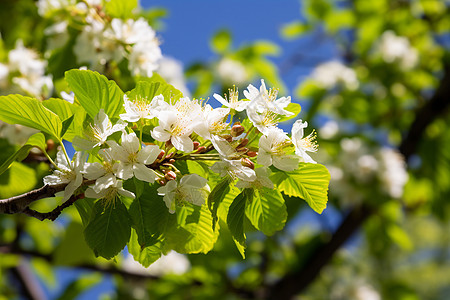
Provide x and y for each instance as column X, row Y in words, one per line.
column 181, row 130
column 102, row 40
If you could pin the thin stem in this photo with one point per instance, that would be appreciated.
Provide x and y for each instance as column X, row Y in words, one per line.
column 51, row 160
column 65, row 152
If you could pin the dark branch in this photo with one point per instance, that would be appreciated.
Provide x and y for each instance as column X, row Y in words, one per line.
column 52, row 215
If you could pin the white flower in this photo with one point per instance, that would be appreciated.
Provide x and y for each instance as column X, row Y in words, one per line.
column 133, row 161
column 35, row 85
column 46, row 7
column 330, row 73
column 303, row 144
column 230, row 70
column 16, row 134
column 233, row 169
column 262, row 121
column 224, row 148
column 233, row 100
column 4, row 73
column 130, row 31
column 140, row 108
column 263, row 100
column 177, row 124
column 103, row 172
column 272, row 150
column 109, row 193
column 96, row 134
column 192, row 189
column 262, row 180
column 26, row 61
column 395, row 48
column 392, row 174
column 70, row 173
column 144, row 58
column 172, row 71
column 213, row 121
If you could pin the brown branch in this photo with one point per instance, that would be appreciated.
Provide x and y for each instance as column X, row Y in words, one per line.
column 18, row 203
column 296, row 281
column 54, row 214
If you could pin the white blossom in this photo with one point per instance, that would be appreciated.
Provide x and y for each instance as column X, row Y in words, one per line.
column 233, row 169
column 172, row 71
column 232, row 101
column 96, row 134
column 67, row 172
column 262, row 100
column 331, row 73
column 212, row 121
column 273, row 149
column 102, row 173
column 231, row 71
column 132, row 161
column 110, row 192
column 191, row 189
column 262, row 180
column 140, row 108
column 303, row 144
column 177, row 123
column 392, row 172
column 397, row 49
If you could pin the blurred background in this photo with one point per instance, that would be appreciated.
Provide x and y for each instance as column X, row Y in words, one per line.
column 373, row 79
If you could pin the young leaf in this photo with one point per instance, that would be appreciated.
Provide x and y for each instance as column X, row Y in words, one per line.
column 36, row 140
column 236, row 215
column 309, row 182
column 216, row 196
column 168, row 91
column 294, row 108
column 145, row 256
column 94, row 92
column 221, row 41
column 18, row 109
column 144, row 89
column 65, row 124
column 109, row 229
column 120, row 8
column 267, row 211
column 65, row 110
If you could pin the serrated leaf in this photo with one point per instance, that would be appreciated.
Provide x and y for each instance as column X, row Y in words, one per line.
column 84, row 207
column 215, row 198
column 18, row 109
column 145, row 256
column 109, row 229
column 148, row 213
column 267, row 211
column 309, row 182
column 236, row 215
column 169, row 93
column 95, row 91
column 221, row 41
column 144, row 89
column 36, row 140
column 196, row 235
column 65, row 110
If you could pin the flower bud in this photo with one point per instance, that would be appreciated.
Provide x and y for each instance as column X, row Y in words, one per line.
column 242, row 150
column 171, row 160
column 228, row 138
column 50, row 144
column 243, row 143
column 169, row 145
column 201, row 149
column 247, row 163
column 252, row 153
column 237, row 129
column 196, row 145
column 161, row 154
column 162, row 182
column 170, row 176
column 170, row 155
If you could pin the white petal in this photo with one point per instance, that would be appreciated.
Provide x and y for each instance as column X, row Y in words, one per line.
column 194, row 181
column 160, row 134
column 124, row 170
column 104, row 182
column 264, row 158
column 83, row 144
column 182, row 143
column 130, row 142
column 93, row 171
column 118, row 152
column 143, row 173
column 221, row 100
column 148, row 154
column 286, row 163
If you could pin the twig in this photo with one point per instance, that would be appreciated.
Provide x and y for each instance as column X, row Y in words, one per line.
column 52, row 215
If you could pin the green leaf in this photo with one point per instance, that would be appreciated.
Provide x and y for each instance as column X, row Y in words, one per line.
column 309, row 182
column 293, row 108
column 73, row 250
column 18, row 179
column 236, row 217
column 85, row 207
column 65, row 110
column 169, row 93
column 109, row 229
column 221, row 41
column 148, row 213
column 95, row 92
column 18, row 109
column 267, row 211
column 121, row 8
column 294, row 29
column 145, row 256
column 66, row 123
column 145, row 90
column 36, row 140
column 195, row 235
column 216, row 196
column 339, row 19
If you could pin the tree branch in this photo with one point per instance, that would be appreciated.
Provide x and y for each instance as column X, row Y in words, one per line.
column 52, row 215
column 296, row 281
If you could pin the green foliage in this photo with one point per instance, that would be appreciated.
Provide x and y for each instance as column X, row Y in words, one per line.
column 221, row 41
column 72, row 115
column 36, row 140
column 18, row 109
column 294, row 30
column 121, row 8
column 236, row 218
column 309, row 182
column 95, row 91
column 109, row 228
column 216, row 196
